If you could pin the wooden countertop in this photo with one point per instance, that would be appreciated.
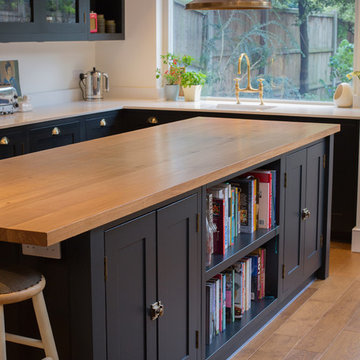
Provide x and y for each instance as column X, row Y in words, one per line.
column 52, row 195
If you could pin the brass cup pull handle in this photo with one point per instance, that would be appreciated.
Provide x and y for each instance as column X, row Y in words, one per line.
column 55, row 131
column 152, row 120
column 305, row 214
column 4, row 141
column 102, row 122
column 156, row 310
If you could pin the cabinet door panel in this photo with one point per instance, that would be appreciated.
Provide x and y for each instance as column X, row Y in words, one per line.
column 178, row 279
column 130, row 289
column 315, row 203
column 293, row 226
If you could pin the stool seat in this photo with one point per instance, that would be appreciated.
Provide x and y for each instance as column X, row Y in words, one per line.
column 19, row 283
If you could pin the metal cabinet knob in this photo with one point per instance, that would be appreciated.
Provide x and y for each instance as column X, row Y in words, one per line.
column 4, row 141
column 305, row 214
column 152, row 120
column 156, row 310
column 102, row 122
column 55, row 131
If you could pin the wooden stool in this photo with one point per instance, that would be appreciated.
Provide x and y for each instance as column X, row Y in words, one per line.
column 19, row 284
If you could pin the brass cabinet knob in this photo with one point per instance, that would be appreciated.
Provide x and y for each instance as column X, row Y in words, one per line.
column 55, row 131
column 4, row 141
column 152, row 120
column 156, row 310
column 102, row 122
column 305, row 214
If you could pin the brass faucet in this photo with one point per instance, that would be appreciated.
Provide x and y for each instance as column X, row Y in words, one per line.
column 248, row 89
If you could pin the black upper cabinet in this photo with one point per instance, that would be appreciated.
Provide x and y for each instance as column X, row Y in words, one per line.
column 47, row 20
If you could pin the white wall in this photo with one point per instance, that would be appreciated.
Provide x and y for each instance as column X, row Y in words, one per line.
column 50, row 70
column 131, row 63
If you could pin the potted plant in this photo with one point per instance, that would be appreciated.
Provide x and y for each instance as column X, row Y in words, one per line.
column 175, row 66
column 192, row 83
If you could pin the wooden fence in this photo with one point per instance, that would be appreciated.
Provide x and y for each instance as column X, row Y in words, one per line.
column 276, row 32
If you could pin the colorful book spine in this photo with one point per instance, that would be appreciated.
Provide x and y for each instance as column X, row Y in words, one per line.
column 219, row 221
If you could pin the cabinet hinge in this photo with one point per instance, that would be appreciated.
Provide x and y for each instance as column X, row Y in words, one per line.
column 285, row 180
column 321, row 241
column 84, row 17
column 197, row 222
column 196, row 339
column 283, row 271
column 105, row 268
column 324, row 161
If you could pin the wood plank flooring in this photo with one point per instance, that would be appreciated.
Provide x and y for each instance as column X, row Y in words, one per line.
column 322, row 323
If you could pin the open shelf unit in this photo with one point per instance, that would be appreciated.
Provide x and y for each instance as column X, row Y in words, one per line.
column 232, row 329
column 244, row 244
column 112, row 10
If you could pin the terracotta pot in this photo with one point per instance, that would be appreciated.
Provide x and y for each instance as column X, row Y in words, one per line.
column 192, row 93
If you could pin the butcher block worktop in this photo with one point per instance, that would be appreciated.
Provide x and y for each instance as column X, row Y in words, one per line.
column 52, row 195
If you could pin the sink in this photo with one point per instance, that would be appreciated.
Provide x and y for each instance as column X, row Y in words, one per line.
column 245, row 107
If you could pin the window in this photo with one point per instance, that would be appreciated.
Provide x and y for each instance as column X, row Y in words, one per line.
column 301, row 48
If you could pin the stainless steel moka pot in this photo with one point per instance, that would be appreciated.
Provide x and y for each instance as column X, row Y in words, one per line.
column 93, row 84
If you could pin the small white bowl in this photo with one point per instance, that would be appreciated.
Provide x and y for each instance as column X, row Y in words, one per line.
column 343, row 96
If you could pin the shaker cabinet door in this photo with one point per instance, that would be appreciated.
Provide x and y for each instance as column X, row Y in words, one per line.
column 130, row 250
column 295, row 168
column 178, row 279
column 315, row 177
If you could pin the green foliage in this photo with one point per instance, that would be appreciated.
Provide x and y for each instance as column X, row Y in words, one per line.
column 175, row 67
column 341, row 62
column 192, row 78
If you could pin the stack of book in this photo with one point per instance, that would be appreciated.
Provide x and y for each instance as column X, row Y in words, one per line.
column 230, row 293
column 244, row 204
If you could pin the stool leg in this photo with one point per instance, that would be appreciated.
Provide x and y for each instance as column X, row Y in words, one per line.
column 2, row 334
column 44, row 326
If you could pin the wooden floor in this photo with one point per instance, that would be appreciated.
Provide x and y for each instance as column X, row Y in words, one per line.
column 322, row 323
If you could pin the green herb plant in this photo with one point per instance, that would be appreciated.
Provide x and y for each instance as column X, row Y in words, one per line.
column 192, row 78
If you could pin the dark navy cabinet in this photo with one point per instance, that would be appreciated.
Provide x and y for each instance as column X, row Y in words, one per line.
column 304, row 213
column 12, row 143
column 45, row 21
column 151, row 260
column 103, row 124
column 55, row 135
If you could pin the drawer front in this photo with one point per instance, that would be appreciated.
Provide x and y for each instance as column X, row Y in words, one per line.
column 58, row 134
column 139, row 119
column 12, row 143
column 104, row 125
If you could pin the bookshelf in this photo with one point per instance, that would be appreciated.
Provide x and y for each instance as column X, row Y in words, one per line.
column 244, row 244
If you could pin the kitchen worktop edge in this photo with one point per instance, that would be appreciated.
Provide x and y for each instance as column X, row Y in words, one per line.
column 80, row 108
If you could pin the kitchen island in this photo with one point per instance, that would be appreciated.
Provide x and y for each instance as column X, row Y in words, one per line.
column 129, row 212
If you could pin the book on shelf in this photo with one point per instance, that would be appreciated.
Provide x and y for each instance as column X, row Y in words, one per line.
column 223, row 191
column 239, row 269
column 265, row 197
column 230, row 307
column 219, row 246
column 261, row 254
column 247, row 208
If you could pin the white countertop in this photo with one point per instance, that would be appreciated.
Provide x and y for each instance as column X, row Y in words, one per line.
column 78, row 108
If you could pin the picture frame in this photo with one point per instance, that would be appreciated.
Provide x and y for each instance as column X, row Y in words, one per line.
column 9, row 74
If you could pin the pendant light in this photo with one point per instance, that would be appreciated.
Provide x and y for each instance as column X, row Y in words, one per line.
column 227, row 4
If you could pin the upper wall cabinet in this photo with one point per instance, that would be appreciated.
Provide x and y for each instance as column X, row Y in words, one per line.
column 57, row 20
